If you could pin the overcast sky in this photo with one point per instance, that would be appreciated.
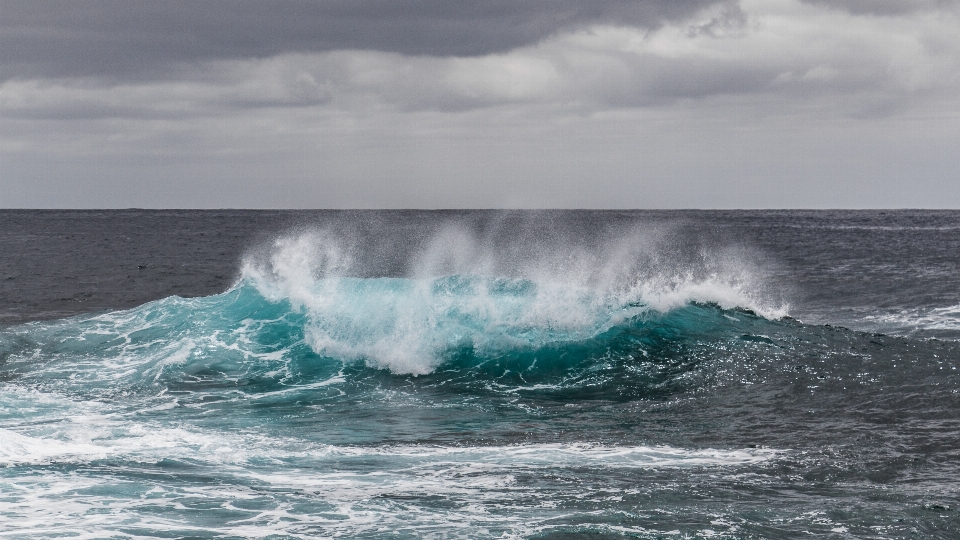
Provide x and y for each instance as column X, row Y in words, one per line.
column 480, row 103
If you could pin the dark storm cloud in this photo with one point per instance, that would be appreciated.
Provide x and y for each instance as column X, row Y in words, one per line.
column 137, row 39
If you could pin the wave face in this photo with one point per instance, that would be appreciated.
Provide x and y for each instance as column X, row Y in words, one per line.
column 635, row 384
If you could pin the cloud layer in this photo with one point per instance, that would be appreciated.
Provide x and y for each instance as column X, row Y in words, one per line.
column 366, row 98
column 800, row 53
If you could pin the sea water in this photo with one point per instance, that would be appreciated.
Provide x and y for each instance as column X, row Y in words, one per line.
column 480, row 374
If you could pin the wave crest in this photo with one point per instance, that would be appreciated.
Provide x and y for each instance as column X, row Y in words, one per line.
column 463, row 291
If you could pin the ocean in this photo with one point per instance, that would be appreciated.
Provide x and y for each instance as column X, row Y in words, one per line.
column 479, row 374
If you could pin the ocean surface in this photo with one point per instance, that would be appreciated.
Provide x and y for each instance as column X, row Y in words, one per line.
column 473, row 374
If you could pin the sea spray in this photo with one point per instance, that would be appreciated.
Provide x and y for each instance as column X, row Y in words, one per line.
column 460, row 293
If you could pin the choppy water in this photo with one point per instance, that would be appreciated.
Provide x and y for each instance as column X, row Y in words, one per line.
column 480, row 375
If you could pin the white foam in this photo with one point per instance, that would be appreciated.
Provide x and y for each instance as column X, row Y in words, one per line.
column 315, row 489
column 911, row 320
column 531, row 456
column 91, row 436
column 18, row 449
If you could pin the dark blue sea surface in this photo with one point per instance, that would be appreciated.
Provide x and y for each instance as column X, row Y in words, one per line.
column 479, row 374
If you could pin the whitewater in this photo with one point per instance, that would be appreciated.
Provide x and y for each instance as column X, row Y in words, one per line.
column 481, row 375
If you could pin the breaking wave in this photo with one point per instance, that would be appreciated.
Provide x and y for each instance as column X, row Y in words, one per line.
column 303, row 317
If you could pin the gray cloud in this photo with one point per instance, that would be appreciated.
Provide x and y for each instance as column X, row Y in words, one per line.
column 137, row 39
column 883, row 7
column 856, row 66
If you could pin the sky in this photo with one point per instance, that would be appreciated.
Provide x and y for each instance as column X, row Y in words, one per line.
column 480, row 104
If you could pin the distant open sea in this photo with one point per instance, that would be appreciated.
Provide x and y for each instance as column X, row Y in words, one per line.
column 479, row 374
